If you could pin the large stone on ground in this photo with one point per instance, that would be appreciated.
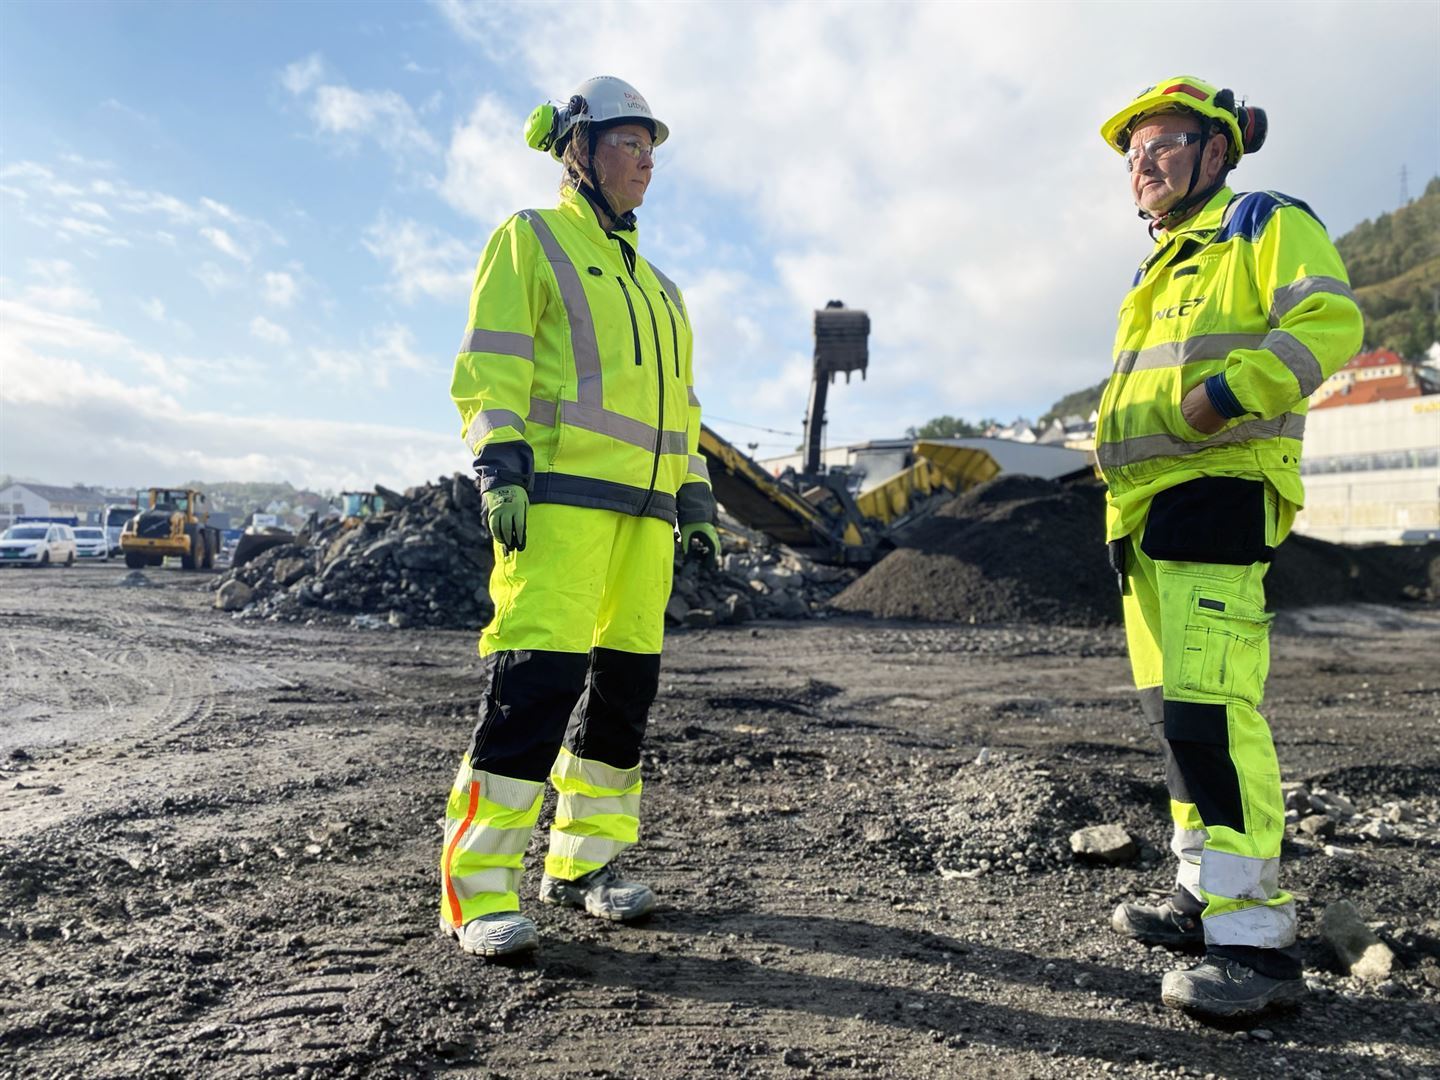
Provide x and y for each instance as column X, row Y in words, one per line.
column 289, row 571
column 1359, row 951
column 233, row 596
column 1104, row 843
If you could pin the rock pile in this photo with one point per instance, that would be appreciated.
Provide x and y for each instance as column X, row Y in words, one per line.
column 1318, row 814
column 426, row 561
column 756, row 579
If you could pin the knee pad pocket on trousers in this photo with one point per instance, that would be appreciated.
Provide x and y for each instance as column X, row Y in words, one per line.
column 1224, row 646
column 1198, row 735
column 610, row 723
column 524, row 711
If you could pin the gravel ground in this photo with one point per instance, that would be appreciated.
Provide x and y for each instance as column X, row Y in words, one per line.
column 218, row 841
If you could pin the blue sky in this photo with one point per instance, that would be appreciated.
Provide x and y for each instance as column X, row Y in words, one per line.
column 236, row 239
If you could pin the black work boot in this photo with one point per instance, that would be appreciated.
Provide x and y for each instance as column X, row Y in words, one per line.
column 1224, row 988
column 1174, row 923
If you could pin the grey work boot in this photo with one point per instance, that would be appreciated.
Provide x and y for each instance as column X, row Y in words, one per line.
column 503, row 933
column 1174, row 924
column 602, row 893
column 1225, row 988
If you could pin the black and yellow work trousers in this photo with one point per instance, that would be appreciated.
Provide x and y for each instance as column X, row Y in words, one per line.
column 1198, row 637
column 574, row 661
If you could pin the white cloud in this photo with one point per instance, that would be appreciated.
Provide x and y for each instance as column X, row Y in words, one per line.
column 380, row 355
column 94, row 209
column 422, row 261
column 27, row 330
column 154, row 308
column 270, row 333
column 224, row 243
column 302, row 75
column 213, row 278
column 342, row 111
column 80, row 399
column 280, row 288
column 55, row 288
column 489, row 172
column 67, row 418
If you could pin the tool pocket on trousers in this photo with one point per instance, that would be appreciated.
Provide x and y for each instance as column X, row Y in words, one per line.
column 1225, row 646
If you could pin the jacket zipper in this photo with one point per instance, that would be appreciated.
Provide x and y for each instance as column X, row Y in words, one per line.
column 660, row 397
column 634, row 325
column 674, row 332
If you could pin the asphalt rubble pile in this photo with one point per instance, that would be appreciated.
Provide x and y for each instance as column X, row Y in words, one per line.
column 425, row 561
column 1023, row 549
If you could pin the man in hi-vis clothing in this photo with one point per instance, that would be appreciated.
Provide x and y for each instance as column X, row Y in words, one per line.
column 576, row 391
column 1238, row 314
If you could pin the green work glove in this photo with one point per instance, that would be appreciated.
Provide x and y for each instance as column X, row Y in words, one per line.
column 701, row 541
column 505, row 508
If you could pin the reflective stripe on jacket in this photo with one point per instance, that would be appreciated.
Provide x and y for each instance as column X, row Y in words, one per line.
column 575, row 375
column 1251, row 298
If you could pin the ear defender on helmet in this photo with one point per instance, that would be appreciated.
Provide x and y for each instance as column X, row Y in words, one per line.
column 1254, row 126
column 541, row 127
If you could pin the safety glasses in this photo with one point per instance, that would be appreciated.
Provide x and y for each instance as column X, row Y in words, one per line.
column 1160, row 147
column 633, row 145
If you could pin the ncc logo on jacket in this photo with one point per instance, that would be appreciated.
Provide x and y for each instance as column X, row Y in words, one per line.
column 1180, row 310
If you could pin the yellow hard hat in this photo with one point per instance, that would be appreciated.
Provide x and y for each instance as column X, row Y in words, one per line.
column 1245, row 126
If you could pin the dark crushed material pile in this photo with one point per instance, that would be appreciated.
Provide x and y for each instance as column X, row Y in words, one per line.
column 1017, row 548
column 1308, row 572
column 1022, row 549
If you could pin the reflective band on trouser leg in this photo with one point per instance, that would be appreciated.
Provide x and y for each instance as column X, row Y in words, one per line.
column 597, row 815
column 488, row 821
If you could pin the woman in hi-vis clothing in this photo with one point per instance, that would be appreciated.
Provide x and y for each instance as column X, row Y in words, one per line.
column 576, row 391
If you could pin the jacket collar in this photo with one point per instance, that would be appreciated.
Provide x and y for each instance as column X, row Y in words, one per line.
column 1207, row 220
column 578, row 211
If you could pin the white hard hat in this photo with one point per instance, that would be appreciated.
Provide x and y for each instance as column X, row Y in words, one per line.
column 603, row 99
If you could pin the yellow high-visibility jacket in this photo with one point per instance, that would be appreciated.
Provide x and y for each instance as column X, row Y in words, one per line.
column 575, row 375
column 1250, row 298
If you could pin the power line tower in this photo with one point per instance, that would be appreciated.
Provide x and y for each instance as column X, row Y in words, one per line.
column 1404, row 186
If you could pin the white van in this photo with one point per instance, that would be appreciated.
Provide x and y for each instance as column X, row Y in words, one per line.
column 37, row 544
column 91, row 542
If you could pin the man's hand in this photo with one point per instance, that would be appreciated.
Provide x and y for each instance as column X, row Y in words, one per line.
column 505, row 509
column 701, row 541
column 1199, row 413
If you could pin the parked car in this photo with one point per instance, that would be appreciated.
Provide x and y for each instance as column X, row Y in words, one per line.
column 91, row 542
column 37, row 545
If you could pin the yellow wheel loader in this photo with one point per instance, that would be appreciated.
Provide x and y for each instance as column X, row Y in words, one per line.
column 173, row 522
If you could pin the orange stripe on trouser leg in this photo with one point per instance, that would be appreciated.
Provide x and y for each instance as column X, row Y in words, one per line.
column 450, row 894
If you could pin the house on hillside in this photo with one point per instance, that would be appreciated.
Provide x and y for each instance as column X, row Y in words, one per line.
column 1381, row 375
column 85, row 505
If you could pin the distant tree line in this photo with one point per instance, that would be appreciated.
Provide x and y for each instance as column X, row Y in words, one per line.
column 949, row 427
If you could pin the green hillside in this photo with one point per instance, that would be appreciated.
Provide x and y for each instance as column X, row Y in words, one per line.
column 1394, row 265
